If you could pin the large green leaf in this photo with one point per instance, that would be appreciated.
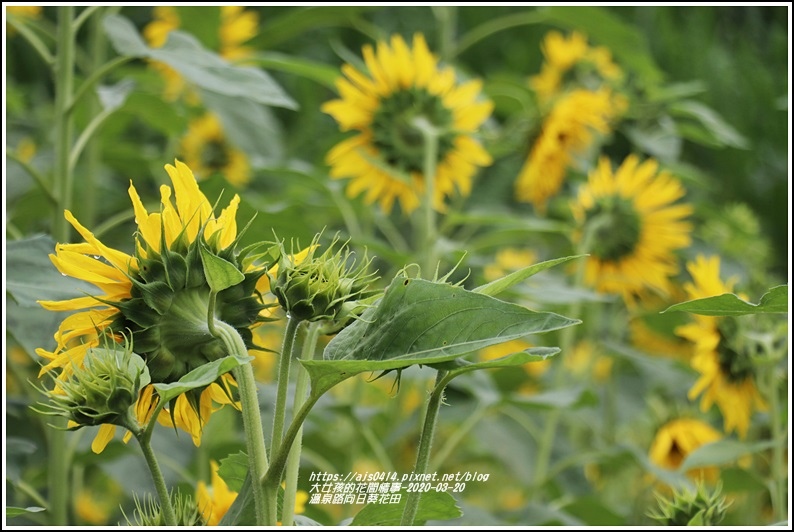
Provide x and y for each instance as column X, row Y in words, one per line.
column 424, row 322
column 233, row 470
column 438, row 506
column 185, row 54
column 200, row 377
column 723, row 452
column 30, row 276
column 774, row 301
column 503, row 283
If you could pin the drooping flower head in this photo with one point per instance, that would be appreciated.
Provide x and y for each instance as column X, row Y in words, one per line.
column 207, row 150
column 404, row 86
column 632, row 225
column 159, row 298
column 727, row 374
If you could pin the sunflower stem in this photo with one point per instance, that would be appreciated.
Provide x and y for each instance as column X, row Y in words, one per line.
column 169, row 516
column 778, row 484
column 430, row 135
column 280, row 409
column 294, row 458
column 279, row 460
column 58, row 470
column 252, row 421
column 425, row 443
column 64, row 123
column 97, row 51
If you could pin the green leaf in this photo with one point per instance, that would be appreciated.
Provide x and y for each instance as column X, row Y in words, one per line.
column 13, row 511
column 113, row 96
column 249, row 125
column 723, row 452
column 774, row 301
column 155, row 112
column 185, row 54
column 502, row 284
column 423, row 322
column 124, row 36
column 659, row 139
column 676, row 91
column 438, row 506
column 233, row 470
column 242, row 510
column 200, row 377
column 220, row 273
column 603, row 27
column 707, row 125
column 30, row 276
column 319, row 72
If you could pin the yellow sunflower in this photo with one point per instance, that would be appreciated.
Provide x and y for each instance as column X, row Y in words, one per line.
column 633, row 227
column 385, row 159
column 567, row 132
column 237, row 26
column 727, row 376
column 678, row 439
column 562, row 55
column 206, row 150
column 158, row 299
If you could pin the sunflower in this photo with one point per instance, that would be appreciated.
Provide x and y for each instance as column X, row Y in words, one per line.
column 727, row 375
column 632, row 226
column 508, row 260
column 385, row 159
column 207, row 151
column 237, row 26
column 158, row 299
column 678, row 439
column 568, row 132
column 563, row 55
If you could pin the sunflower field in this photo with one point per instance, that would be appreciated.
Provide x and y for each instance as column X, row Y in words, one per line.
column 396, row 265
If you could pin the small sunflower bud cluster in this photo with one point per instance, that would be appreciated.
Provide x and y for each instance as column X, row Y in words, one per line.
column 691, row 508
column 103, row 389
column 148, row 513
column 322, row 287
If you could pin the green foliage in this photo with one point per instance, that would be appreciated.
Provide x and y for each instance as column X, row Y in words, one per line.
column 774, row 301
column 438, row 506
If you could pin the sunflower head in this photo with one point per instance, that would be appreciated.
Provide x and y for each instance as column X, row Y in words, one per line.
column 403, row 98
column 207, row 151
column 723, row 352
column 687, row 507
column 631, row 227
column 103, row 390
column 322, row 287
column 186, row 271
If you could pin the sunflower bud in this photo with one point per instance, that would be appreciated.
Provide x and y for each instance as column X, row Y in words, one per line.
column 103, row 389
column 691, row 508
column 148, row 512
column 318, row 287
